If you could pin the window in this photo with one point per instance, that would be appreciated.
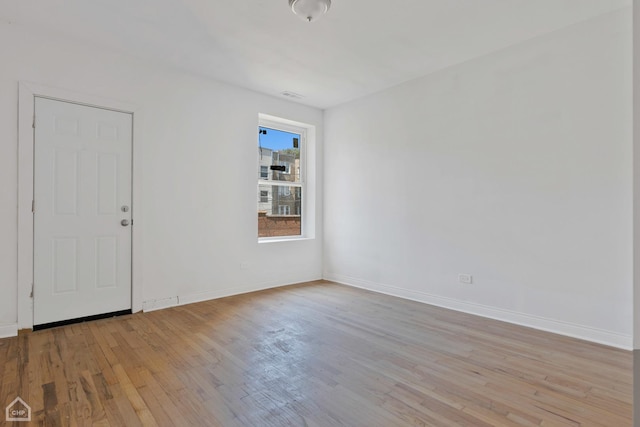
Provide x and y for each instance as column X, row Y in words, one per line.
column 281, row 178
column 284, row 191
column 284, row 210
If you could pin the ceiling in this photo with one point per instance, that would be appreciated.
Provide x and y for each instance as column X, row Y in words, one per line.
column 359, row 47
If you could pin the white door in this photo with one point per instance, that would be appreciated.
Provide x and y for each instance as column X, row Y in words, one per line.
column 82, row 211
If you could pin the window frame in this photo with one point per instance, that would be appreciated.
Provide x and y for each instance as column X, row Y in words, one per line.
column 306, row 139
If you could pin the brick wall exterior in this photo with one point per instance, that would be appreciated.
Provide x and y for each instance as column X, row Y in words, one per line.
column 276, row 225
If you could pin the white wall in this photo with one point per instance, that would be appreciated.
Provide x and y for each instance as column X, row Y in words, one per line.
column 636, row 212
column 197, row 177
column 636, row 189
column 515, row 167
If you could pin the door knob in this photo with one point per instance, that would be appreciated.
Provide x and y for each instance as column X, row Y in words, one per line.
column 124, row 222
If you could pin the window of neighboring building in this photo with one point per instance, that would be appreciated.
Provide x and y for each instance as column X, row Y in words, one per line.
column 264, row 172
column 281, row 178
column 284, row 210
column 284, row 191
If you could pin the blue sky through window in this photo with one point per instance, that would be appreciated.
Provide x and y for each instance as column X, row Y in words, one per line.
column 277, row 139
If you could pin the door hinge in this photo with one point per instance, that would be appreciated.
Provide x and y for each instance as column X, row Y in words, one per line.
column 33, row 125
column 33, row 206
column 31, row 296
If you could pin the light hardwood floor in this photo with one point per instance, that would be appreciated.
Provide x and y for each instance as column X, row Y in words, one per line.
column 318, row 354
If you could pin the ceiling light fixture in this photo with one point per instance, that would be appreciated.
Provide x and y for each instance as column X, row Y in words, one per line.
column 310, row 10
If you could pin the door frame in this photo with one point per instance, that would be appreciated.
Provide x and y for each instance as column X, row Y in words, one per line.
column 27, row 92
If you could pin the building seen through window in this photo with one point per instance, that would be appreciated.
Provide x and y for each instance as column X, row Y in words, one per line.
column 280, row 183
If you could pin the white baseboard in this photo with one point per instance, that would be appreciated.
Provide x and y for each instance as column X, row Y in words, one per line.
column 238, row 290
column 587, row 333
column 7, row 331
column 159, row 304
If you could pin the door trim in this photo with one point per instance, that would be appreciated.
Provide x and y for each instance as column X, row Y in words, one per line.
column 27, row 92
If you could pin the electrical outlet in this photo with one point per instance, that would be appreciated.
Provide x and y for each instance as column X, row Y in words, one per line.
column 467, row 279
column 244, row 266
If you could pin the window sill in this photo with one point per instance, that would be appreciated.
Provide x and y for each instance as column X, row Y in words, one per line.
column 283, row 239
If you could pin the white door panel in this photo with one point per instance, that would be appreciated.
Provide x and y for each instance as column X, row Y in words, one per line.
column 82, row 181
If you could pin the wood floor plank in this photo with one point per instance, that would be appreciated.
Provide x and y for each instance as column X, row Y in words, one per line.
column 138, row 404
column 318, row 355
